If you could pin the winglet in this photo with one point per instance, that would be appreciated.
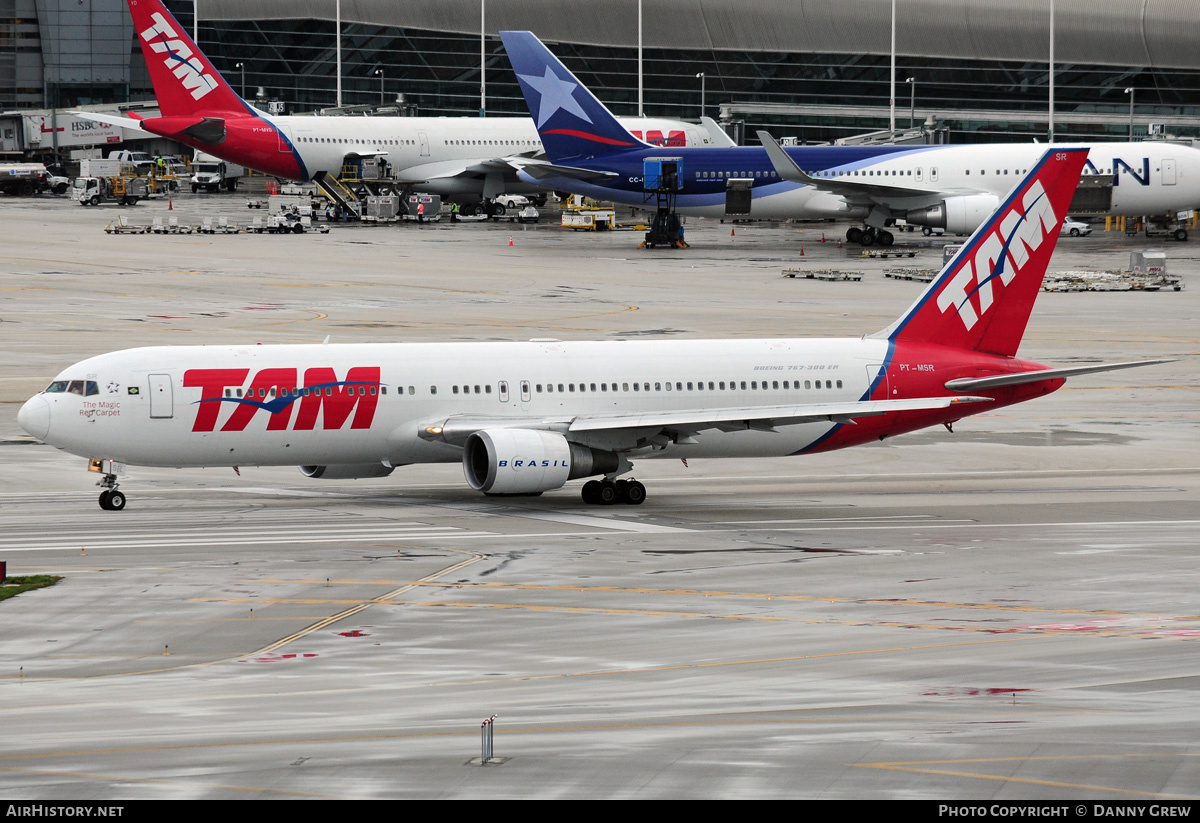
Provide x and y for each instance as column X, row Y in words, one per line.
column 785, row 166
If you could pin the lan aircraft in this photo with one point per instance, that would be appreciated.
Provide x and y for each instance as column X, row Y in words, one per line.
column 460, row 157
column 525, row 418
column 954, row 188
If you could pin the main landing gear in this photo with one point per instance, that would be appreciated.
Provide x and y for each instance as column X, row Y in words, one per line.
column 111, row 500
column 609, row 492
column 868, row 236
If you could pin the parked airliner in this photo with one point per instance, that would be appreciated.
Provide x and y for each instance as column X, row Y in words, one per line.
column 524, row 418
column 954, row 188
column 461, row 157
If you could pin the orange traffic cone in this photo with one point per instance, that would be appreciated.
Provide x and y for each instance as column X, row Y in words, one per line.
column 802, row 251
column 510, row 242
column 170, row 205
column 822, row 237
column 839, row 242
column 733, row 232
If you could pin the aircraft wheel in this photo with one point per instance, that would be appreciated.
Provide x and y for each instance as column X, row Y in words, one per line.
column 886, row 238
column 116, row 500
column 854, row 234
column 868, row 237
column 105, row 496
column 634, row 494
column 590, row 492
column 606, row 495
column 1181, row 235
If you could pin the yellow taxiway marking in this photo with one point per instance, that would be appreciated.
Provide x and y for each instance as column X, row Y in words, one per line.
column 920, row 766
column 719, row 594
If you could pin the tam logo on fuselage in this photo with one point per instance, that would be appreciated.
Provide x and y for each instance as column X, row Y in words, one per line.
column 1001, row 253
column 178, row 57
column 276, row 391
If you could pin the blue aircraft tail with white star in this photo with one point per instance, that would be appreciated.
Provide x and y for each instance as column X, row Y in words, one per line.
column 572, row 123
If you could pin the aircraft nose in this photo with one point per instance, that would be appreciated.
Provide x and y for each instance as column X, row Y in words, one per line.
column 34, row 417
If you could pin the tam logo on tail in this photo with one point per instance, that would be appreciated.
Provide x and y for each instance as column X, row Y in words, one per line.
column 982, row 299
column 178, row 57
column 1000, row 254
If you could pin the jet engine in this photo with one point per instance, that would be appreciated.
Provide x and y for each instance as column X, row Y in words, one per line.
column 346, row 471
column 957, row 215
column 525, row 461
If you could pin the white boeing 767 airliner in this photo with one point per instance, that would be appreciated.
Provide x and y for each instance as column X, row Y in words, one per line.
column 524, row 418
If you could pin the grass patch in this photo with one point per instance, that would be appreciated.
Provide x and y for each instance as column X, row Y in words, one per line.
column 15, row 585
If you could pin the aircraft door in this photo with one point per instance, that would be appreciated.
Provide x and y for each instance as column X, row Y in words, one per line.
column 525, row 394
column 933, row 174
column 423, row 139
column 285, row 137
column 1168, row 171
column 918, row 173
column 162, row 400
column 502, row 391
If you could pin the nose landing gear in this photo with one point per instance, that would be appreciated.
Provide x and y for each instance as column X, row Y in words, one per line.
column 111, row 499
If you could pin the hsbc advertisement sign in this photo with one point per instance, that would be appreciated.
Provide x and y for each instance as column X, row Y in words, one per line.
column 69, row 131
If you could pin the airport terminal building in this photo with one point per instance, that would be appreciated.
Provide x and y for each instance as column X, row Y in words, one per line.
column 811, row 69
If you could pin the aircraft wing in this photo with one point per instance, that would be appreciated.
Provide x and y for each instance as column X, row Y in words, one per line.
column 480, row 167
column 110, row 120
column 765, row 418
column 456, row 430
column 854, row 190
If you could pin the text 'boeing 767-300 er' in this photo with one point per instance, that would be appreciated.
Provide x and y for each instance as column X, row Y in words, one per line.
column 951, row 188
column 524, row 418
column 466, row 158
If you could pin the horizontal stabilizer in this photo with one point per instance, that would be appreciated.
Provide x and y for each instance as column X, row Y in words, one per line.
column 968, row 384
column 546, row 171
column 110, row 120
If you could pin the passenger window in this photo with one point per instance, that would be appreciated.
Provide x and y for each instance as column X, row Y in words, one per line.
column 560, row 387
column 635, row 387
column 433, row 389
column 829, row 384
column 839, row 384
column 808, row 384
column 785, row 384
column 454, row 390
column 775, row 384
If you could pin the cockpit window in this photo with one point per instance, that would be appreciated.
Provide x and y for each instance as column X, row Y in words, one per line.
column 57, row 387
column 76, row 387
column 92, row 388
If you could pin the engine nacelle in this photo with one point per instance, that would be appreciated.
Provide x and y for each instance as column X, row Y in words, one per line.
column 346, row 471
column 957, row 215
column 526, row 461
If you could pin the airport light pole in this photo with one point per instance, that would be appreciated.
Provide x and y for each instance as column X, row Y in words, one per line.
column 701, row 76
column 380, row 73
column 242, row 66
column 912, row 100
column 892, row 85
column 1051, row 112
column 641, row 110
column 1130, row 92
column 338, row 49
column 482, row 58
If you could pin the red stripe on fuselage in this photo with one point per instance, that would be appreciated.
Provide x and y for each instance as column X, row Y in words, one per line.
column 608, row 141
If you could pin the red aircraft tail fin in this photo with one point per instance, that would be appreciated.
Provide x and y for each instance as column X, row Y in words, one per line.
column 185, row 82
column 983, row 297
